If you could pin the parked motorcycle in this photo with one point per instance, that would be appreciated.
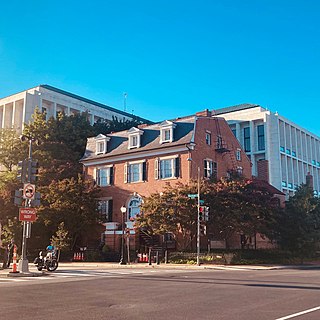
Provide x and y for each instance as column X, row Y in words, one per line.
column 48, row 262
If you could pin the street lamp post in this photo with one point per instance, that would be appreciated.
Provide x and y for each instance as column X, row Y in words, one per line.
column 191, row 147
column 123, row 210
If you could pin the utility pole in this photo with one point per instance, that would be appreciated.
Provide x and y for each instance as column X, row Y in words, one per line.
column 29, row 171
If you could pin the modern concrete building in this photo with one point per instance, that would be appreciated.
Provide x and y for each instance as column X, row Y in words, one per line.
column 281, row 152
column 17, row 109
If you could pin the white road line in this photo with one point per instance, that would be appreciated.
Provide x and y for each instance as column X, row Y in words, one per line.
column 298, row 314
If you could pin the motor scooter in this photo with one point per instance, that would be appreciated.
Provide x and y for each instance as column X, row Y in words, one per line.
column 48, row 262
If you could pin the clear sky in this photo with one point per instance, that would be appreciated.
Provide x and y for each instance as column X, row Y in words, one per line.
column 172, row 57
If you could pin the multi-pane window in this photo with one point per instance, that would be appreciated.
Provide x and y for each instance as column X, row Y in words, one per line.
column 246, row 139
column 135, row 172
column 219, row 142
column 100, row 146
column 105, row 208
column 133, row 141
column 261, row 140
column 167, row 135
column 167, row 168
column 134, row 207
column 238, row 154
column 208, row 138
column 104, row 176
column 210, row 169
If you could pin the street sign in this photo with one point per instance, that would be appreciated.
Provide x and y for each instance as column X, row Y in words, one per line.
column 201, row 201
column 27, row 214
column 28, row 191
column 193, row 195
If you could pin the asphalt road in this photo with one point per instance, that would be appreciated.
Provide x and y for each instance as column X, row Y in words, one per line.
column 163, row 294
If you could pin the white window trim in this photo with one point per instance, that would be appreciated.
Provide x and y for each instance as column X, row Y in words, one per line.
column 210, row 161
column 131, row 138
column 173, row 169
column 134, row 132
column 238, row 154
column 101, row 139
column 126, row 173
column 166, row 125
column 97, row 178
column 210, row 139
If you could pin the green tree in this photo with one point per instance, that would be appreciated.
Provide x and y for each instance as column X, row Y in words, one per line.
column 171, row 211
column 114, row 125
column 11, row 149
column 299, row 226
column 241, row 207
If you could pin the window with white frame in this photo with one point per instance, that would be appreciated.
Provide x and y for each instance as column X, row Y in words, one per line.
column 166, row 168
column 133, row 141
column 135, row 171
column 104, row 176
column 134, row 136
column 208, row 138
column 101, row 144
column 166, row 131
column 134, row 207
column 238, row 154
column 105, row 207
column 210, row 169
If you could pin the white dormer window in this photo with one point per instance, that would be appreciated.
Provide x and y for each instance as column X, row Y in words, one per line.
column 134, row 136
column 166, row 131
column 101, row 144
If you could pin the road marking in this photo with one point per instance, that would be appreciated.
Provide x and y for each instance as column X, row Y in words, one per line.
column 298, row 314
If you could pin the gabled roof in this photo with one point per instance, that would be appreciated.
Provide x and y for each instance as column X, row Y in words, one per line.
column 134, row 130
column 267, row 186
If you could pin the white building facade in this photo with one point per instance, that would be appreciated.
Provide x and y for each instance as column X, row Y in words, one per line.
column 17, row 109
column 280, row 150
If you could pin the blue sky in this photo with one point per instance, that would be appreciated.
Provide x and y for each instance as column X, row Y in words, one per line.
column 172, row 57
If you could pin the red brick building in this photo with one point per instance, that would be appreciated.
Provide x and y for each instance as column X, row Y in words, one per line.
column 132, row 164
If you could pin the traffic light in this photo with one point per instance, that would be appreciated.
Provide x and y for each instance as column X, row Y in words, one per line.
column 201, row 213
column 22, row 171
column 36, row 201
column 206, row 213
column 33, row 170
column 17, row 200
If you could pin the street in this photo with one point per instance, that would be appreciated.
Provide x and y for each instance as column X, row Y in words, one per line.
column 163, row 293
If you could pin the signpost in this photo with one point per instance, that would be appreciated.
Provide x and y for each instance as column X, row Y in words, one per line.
column 28, row 191
column 27, row 214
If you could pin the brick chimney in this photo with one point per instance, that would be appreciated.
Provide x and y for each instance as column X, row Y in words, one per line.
column 205, row 113
column 263, row 170
column 309, row 180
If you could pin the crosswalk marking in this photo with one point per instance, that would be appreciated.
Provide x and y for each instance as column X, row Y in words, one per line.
column 82, row 274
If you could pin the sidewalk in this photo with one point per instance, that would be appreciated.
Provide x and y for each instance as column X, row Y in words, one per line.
column 33, row 272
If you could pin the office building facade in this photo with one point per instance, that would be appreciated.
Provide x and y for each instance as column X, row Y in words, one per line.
column 281, row 152
column 17, row 109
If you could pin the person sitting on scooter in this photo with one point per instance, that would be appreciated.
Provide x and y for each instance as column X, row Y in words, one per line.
column 51, row 251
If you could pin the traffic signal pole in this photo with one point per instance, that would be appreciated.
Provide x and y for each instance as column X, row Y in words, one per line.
column 23, row 265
